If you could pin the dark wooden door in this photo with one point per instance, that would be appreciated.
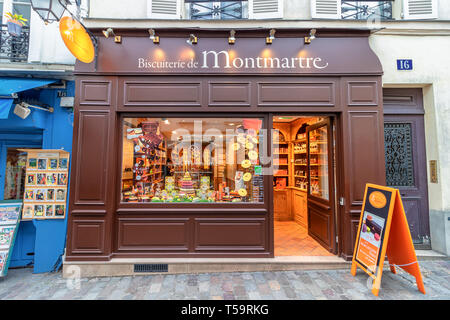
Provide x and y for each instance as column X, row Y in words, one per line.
column 321, row 222
column 406, row 170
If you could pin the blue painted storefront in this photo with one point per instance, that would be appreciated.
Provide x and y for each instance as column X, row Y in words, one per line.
column 39, row 242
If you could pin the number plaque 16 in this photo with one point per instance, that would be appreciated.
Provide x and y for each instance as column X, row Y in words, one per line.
column 404, row 64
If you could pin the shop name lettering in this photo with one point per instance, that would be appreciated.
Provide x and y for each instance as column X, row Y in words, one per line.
column 222, row 59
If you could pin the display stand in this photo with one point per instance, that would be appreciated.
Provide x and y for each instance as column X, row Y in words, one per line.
column 47, row 213
column 10, row 211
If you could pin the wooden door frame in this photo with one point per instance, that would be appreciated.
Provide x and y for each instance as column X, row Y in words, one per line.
column 337, row 167
column 408, row 102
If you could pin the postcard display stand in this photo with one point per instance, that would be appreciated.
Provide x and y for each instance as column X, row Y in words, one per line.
column 46, row 185
column 9, row 224
column 45, row 204
column 383, row 230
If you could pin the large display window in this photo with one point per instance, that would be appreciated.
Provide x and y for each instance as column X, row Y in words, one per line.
column 182, row 160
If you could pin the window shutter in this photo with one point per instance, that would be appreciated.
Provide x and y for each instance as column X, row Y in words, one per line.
column 326, row 9
column 164, row 9
column 420, row 9
column 265, row 9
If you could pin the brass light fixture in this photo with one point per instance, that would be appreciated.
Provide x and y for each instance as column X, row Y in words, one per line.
column 231, row 38
column 153, row 36
column 311, row 37
column 271, row 36
column 192, row 39
column 110, row 32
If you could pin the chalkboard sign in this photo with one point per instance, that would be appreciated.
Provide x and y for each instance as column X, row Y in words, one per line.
column 383, row 230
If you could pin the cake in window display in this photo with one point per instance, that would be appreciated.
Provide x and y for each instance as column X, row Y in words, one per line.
column 187, row 191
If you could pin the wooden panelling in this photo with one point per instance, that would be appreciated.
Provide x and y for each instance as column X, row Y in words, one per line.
column 229, row 94
column 362, row 93
column 319, row 225
column 296, row 94
column 300, row 207
column 90, row 177
column 281, row 205
column 87, row 236
column 151, row 234
column 95, row 92
column 158, row 93
column 403, row 101
column 230, row 234
column 366, row 152
column 354, row 231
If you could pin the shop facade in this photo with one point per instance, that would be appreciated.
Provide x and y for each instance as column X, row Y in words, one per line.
column 131, row 101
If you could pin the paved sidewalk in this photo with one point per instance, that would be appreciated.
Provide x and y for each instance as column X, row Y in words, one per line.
column 311, row 285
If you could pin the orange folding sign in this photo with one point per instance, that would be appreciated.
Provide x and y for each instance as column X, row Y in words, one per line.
column 383, row 230
column 76, row 39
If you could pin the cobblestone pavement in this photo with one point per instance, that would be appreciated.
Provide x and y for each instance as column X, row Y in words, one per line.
column 310, row 285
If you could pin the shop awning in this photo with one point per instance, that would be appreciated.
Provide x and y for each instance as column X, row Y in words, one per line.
column 5, row 106
column 8, row 86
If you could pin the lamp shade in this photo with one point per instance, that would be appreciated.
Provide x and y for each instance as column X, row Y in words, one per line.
column 49, row 10
column 76, row 39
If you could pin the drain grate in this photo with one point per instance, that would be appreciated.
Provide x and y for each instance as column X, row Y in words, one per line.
column 151, row 268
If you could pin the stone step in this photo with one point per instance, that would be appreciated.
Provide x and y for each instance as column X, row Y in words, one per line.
column 125, row 267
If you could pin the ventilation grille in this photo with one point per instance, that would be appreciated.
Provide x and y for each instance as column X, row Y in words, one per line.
column 265, row 6
column 326, row 7
column 420, row 7
column 164, row 7
column 151, row 268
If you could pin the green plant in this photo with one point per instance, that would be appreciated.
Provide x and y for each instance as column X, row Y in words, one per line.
column 16, row 17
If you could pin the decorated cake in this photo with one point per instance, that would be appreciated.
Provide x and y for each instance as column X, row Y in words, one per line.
column 187, row 186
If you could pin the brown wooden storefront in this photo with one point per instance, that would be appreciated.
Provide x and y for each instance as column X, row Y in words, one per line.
column 337, row 75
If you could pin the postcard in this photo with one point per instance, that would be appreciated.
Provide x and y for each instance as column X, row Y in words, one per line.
column 60, row 210
column 31, row 179
column 50, row 194
column 6, row 235
column 28, row 210
column 49, row 210
column 42, row 164
column 41, row 179
column 38, row 210
column 32, row 163
column 60, row 195
column 52, row 163
column 63, row 163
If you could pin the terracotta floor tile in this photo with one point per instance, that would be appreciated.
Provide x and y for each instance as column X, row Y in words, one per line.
column 291, row 239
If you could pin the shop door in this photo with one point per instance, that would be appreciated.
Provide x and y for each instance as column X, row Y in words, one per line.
column 404, row 143
column 321, row 222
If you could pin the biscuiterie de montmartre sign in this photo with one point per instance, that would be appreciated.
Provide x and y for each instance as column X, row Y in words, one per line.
column 222, row 59
column 139, row 55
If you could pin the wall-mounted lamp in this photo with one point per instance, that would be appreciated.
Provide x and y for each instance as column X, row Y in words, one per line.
column 153, row 36
column 311, row 37
column 271, row 36
column 192, row 39
column 110, row 32
column 231, row 38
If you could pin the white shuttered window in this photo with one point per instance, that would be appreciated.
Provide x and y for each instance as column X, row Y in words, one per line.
column 265, row 9
column 326, row 9
column 164, row 9
column 420, row 9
